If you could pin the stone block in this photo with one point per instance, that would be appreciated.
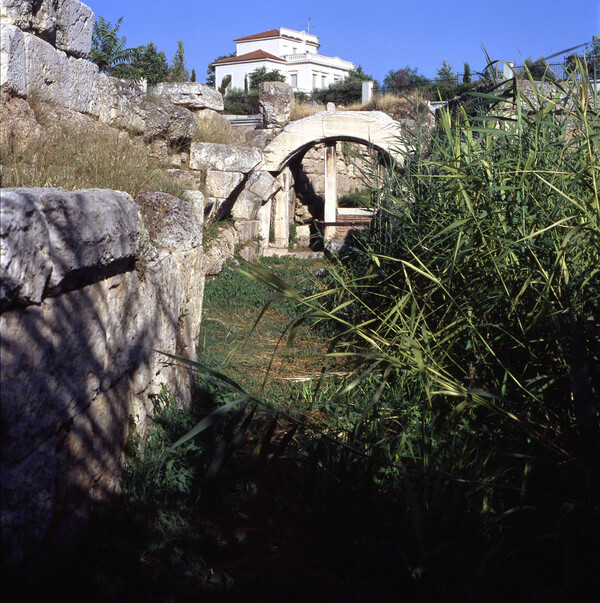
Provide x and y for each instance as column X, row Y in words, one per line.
column 46, row 71
column 191, row 95
column 222, row 157
column 222, row 184
column 303, row 235
column 119, row 103
column 36, row 16
column 172, row 223
column 211, row 207
column 74, row 27
column 248, row 229
column 52, row 238
column 246, row 206
column 82, row 83
column 13, row 78
column 263, row 185
column 25, row 264
column 276, row 100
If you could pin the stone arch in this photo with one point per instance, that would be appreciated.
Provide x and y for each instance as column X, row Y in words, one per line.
column 371, row 128
column 374, row 129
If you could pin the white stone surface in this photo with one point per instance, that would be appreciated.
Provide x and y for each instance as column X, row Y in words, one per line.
column 13, row 67
column 82, row 83
column 222, row 157
column 74, row 27
column 192, row 95
column 276, row 100
column 47, row 71
column 371, row 128
column 222, row 184
column 48, row 235
column 67, row 24
column 78, row 361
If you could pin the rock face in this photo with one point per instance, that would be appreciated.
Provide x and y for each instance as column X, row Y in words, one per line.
column 43, row 54
column 191, row 95
column 261, row 187
column 66, row 24
column 50, row 238
column 223, row 158
column 13, row 74
column 276, row 100
column 79, row 326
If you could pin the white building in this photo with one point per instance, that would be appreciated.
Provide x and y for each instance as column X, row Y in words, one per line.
column 294, row 53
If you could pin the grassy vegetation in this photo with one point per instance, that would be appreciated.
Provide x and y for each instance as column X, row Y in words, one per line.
column 77, row 156
column 302, row 109
column 447, row 447
column 471, row 317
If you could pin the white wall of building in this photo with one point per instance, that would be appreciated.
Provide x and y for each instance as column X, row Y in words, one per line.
column 305, row 70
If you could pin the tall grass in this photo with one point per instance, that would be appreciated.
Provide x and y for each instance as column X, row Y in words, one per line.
column 471, row 314
column 77, row 155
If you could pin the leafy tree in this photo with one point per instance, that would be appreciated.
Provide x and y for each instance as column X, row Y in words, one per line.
column 538, row 69
column 346, row 91
column 210, row 72
column 262, row 74
column 178, row 71
column 148, row 62
column 359, row 74
column 193, row 76
column 403, row 78
column 466, row 73
column 445, row 73
column 109, row 51
column 591, row 54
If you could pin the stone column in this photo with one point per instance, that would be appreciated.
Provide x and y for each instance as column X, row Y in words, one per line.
column 282, row 211
column 264, row 218
column 330, row 190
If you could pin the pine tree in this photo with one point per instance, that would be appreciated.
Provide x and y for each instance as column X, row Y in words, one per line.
column 467, row 73
column 177, row 70
column 193, row 76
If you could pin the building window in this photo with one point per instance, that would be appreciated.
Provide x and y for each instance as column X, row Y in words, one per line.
column 314, row 81
column 294, row 50
column 322, row 81
column 294, row 80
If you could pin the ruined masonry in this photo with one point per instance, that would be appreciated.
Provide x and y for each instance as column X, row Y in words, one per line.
column 88, row 292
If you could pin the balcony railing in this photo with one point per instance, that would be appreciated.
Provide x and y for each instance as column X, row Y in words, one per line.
column 316, row 58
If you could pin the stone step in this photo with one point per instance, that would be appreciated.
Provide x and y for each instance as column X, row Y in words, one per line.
column 301, row 255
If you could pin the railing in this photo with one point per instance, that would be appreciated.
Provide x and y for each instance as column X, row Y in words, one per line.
column 243, row 120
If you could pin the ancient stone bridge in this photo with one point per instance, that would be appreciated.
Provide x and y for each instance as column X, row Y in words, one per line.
column 373, row 129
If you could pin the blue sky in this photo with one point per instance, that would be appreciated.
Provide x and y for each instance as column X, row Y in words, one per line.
column 378, row 34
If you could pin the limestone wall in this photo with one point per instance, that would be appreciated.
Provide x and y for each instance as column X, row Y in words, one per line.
column 44, row 45
column 86, row 297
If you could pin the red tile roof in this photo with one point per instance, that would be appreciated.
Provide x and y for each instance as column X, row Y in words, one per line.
column 250, row 56
column 265, row 34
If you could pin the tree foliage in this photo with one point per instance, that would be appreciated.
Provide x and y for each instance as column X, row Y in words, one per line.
column 109, row 51
column 210, row 71
column 148, row 63
column 466, row 73
column 445, row 73
column 537, row 69
column 346, row 91
column 403, row 78
column 262, row 74
column 178, row 71
column 591, row 56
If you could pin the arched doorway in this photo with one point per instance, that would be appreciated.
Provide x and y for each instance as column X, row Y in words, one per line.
column 373, row 129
